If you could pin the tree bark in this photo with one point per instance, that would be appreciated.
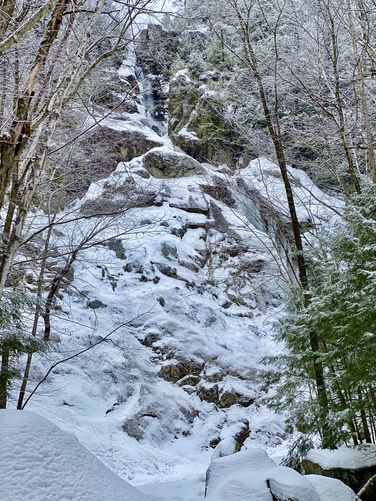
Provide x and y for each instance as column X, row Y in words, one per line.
column 4, row 376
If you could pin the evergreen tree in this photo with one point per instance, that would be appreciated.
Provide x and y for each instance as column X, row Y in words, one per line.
column 342, row 313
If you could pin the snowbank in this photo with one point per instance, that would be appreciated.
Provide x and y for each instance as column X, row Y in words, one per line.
column 40, row 461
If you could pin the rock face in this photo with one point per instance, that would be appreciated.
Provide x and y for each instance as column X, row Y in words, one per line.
column 197, row 126
column 224, row 398
column 100, row 152
column 169, row 164
column 195, row 116
column 354, row 467
column 117, row 146
column 176, row 371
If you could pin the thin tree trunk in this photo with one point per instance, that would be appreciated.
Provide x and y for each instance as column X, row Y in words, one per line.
column 340, row 109
column 275, row 135
column 363, row 417
column 25, row 378
column 55, row 286
column 363, row 96
column 4, row 376
column 6, row 12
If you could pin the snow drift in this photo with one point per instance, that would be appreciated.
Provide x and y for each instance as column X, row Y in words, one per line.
column 40, row 461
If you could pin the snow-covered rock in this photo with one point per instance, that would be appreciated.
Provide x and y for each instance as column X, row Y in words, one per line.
column 344, row 457
column 164, row 163
column 353, row 466
column 331, row 489
column 186, row 280
column 313, row 206
column 252, row 475
column 39, row 461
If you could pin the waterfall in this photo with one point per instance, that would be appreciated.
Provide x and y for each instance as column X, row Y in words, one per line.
column 148, row 101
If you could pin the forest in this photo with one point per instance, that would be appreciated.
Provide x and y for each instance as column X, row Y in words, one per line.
column 188, row 250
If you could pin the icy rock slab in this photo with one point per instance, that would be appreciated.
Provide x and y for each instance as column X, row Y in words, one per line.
column 41, row 461
column 252, row 475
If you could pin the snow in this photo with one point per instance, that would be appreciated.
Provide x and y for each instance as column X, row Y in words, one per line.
column 182, row 75
column 40, row 461
column 251, row 474
column 344, row 457
column 117, row 383
column 186, row 489
column 312, row 204
column 331, row 489
column 192, row 136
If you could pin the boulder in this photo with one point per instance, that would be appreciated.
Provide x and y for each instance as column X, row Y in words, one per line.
column 234, row 443
column 214, row 393
column 331, row 489
column 118, row 145
column 353, row 466
column 249, row 474
column 162, row 163
column 229, row 398
column 252, row 475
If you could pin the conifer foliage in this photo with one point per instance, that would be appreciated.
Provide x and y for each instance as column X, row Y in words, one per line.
column 342, row 312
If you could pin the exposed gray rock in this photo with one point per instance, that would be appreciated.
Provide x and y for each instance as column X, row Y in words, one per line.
column 168, row 164
column 169, row 250
column 241, row 436
column 95, row 304
column 169, row 271
column 115, row 245
column 100, row 151
column 211, row 392
column 189, row 380
column 137, row 426
column 177, row 370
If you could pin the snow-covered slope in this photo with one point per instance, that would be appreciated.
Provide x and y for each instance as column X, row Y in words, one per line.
column 179, row 375
column 40, row 461
column 179, row 298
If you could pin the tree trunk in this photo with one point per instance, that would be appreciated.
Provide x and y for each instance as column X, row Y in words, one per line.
column 4, row 376
column 34, row 331
column 272, row 123
column 363, row 96
column 6, row 12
